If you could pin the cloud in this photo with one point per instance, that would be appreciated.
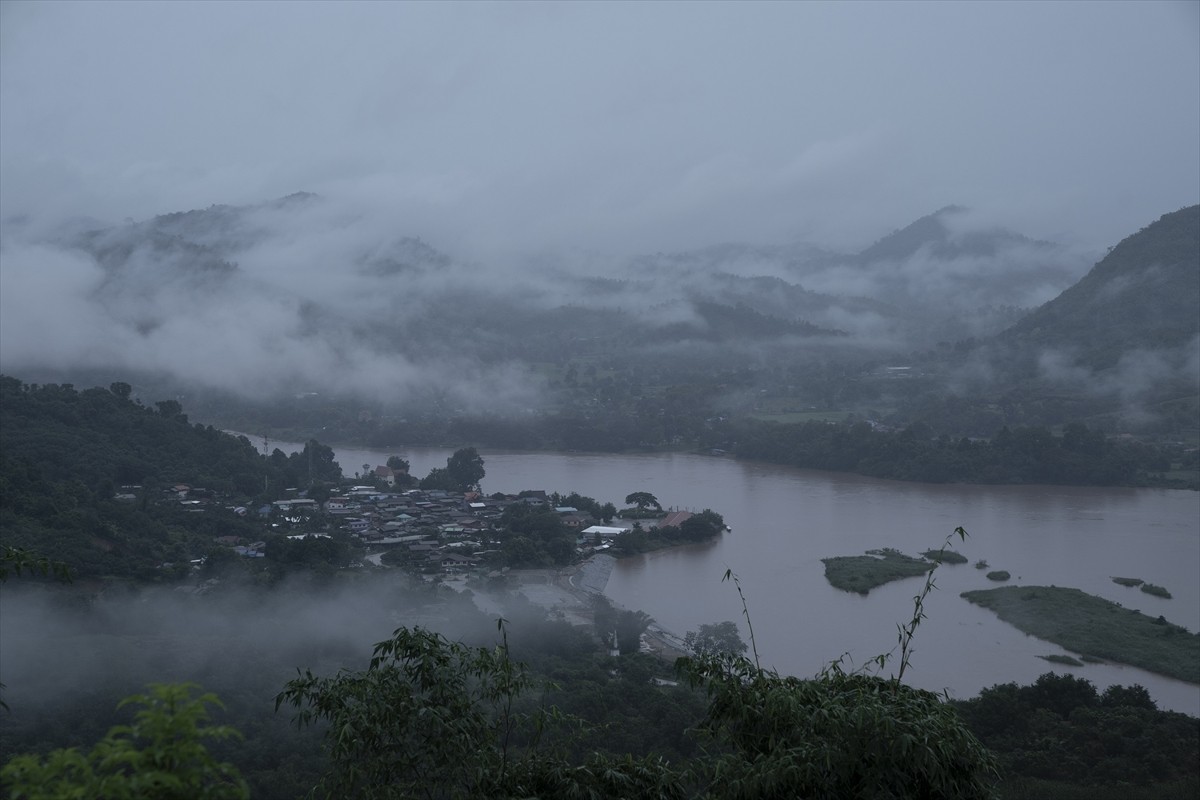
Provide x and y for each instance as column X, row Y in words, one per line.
column 507, row 128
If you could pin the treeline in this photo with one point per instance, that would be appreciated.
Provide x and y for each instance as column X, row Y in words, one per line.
column 1031, row 455
column 1060, row 732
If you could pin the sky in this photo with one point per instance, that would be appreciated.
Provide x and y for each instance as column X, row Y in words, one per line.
column 618, row 127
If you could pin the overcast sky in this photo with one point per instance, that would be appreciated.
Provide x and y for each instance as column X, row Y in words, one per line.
column 613, row 126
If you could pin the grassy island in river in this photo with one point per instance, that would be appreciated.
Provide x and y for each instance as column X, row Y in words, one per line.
column 863, row 573
column 1095, row 627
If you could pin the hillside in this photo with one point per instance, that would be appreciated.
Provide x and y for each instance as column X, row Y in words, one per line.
column 111, row 487
column 1143, row 295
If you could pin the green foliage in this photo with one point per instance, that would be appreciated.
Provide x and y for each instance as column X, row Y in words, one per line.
column 423, row 718
column 535, row 536
column 1128, row 581
column 715, row 638
column 466, row 468
column 434, row 718
column 835, row 736
column 626, row 625
column 14, row 561
column 999, row 575
column 463, row 471
column 1059, row 730
column 1156, row 590
column 160, row 756
column 643, row 501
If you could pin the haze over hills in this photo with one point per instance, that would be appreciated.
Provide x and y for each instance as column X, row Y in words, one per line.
column 1120, row 347
column 301, row 297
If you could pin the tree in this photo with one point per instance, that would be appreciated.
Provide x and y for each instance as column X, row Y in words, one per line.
column 700, row 527
column 439, row 478
column 463, row 472
column 161, row 756
column 719, row 637
column 316, row 463
column 171, row 409
column 831, row 737
column 16, row 560
column 466, row 468
column 643, row 500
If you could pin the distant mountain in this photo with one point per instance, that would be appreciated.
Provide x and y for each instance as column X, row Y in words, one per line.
column 1143, row 295
column 938, row 236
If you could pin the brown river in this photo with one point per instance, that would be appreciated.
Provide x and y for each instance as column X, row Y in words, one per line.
column 785, row 520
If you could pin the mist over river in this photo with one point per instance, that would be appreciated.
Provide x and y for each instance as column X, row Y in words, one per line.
column 785, row 520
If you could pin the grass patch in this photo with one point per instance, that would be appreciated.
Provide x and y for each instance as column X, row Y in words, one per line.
column 999, row 575
column 863, row 573
column 1058, row 658
column 1157, row 591
column 1128, row 581
column 1093, row 626
column 945, row 556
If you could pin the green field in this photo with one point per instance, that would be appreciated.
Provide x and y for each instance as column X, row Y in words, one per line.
column 1096, row 628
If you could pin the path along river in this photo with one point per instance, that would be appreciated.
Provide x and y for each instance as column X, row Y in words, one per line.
column 785, row 520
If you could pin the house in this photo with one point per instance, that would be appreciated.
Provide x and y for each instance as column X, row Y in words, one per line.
column 603, row 531
column 453, row 562
column 294, row 505
column 675, row 519
column 386, row 474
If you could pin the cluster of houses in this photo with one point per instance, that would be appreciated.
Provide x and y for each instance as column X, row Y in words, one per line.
column 435, row 531
column 446, row 532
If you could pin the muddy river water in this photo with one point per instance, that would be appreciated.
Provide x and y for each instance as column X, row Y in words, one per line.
column 785, row 520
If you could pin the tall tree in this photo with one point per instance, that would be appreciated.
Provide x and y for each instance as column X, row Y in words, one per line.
column 466, row 468
column 643, row 500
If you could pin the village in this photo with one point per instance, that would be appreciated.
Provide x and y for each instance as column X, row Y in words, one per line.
column 439, row 533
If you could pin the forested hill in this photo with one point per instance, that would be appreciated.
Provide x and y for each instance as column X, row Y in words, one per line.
column 82, row 474
column 1144, row 295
